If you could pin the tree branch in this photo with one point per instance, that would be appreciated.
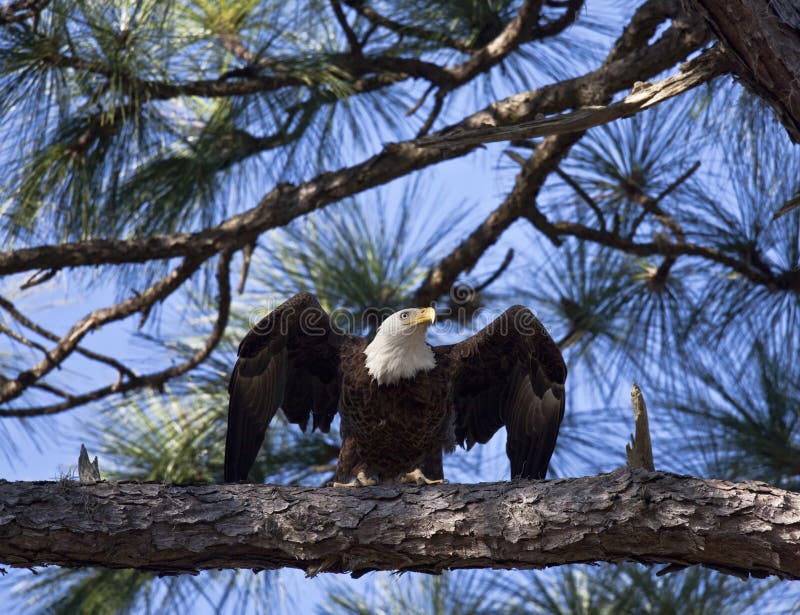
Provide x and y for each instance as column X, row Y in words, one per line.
column 601, row 219
column 352, row 39
column 628, row 515
column 142, row 302
column 155, row 380
column 701, row 70
column 763, row 49
column 520, row 202
column 89, row 354
column 287, row 202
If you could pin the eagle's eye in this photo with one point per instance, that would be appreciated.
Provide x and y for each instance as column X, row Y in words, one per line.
column 404, row 315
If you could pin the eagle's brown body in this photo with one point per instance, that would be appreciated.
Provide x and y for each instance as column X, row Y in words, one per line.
column 414, row 410
column 510, row 374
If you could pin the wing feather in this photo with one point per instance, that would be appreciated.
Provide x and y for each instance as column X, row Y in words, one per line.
column 510, row 374
column 289, row 360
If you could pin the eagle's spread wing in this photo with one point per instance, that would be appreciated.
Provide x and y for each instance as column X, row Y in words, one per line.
column 510, row 373
column 289, row 360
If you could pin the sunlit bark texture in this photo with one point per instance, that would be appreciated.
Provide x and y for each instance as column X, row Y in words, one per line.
column 650, row 517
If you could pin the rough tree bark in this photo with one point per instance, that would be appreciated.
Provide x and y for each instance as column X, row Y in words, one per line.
column 762, row 38
column 651, row 517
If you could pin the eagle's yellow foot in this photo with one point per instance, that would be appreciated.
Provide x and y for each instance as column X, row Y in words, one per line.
column 361, row 480
column 418, row 478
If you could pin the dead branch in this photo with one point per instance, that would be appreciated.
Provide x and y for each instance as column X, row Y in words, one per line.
column 640, row 451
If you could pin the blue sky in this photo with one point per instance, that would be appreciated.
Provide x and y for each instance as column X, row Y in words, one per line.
column 467, row 189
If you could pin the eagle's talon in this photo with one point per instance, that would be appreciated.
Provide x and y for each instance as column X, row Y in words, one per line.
column 418, row 478
column 366, row 481
column 361, row 480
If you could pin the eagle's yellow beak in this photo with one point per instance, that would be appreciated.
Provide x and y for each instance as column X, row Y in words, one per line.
column 425, row 315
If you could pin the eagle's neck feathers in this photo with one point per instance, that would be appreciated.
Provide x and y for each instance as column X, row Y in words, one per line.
column 392, row 357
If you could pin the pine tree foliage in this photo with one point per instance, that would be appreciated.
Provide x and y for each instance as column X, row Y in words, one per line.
column 650, row 247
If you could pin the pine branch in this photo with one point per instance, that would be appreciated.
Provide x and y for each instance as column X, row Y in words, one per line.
column 746, row 529
column 520, row 202
column 288, row 202
column 142, row 302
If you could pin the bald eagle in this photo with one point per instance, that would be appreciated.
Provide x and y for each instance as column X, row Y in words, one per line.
column 402, row 402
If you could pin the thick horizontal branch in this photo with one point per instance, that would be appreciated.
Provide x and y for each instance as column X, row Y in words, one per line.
column 628, row 515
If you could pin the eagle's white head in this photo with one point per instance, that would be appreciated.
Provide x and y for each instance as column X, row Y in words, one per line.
column 399, row 349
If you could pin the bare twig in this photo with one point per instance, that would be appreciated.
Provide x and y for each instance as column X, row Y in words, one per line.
column 651, row 205
column 89, row 354
column 438, row 101
column 420, row 101
column 247, row 254
column 22, row 339
column 52, row 390
column 678, row 181
column 498, row 272
column 40, row 277
column 788, row 206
